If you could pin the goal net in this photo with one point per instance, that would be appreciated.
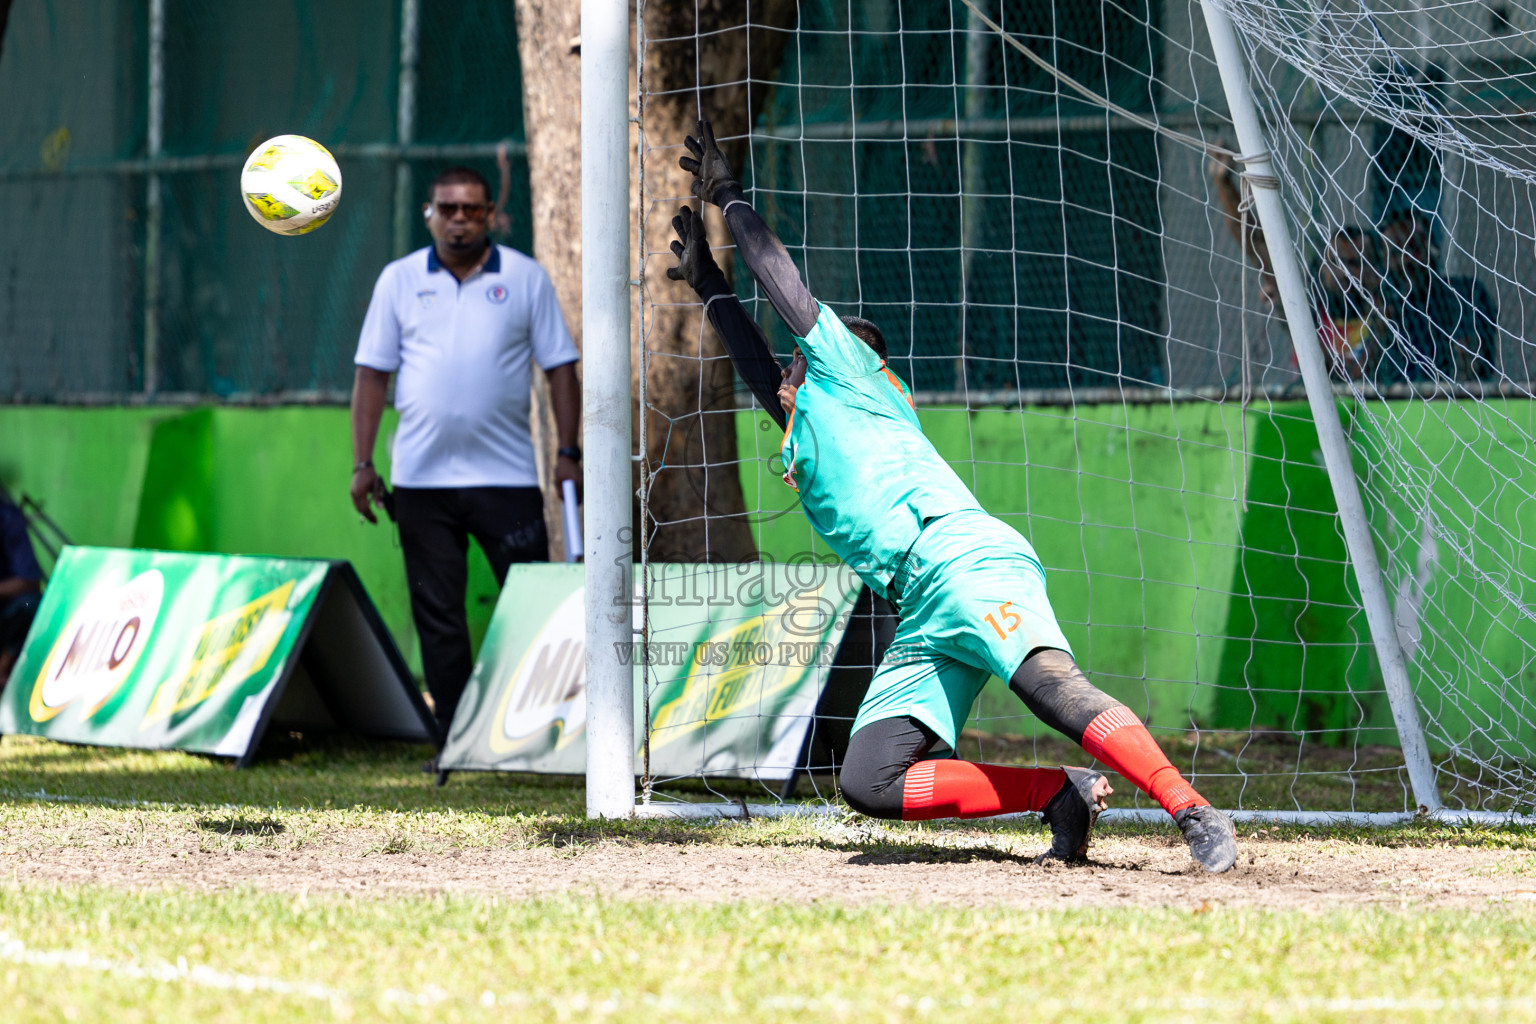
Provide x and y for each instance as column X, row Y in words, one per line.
column 1045, row 208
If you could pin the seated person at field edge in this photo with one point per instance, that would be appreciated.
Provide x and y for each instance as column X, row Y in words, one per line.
column 20, row 584
column 969, row 590
column 1448, row 326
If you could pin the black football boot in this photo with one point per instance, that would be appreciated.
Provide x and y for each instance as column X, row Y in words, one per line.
column 1211, row 836
column 1071, row 814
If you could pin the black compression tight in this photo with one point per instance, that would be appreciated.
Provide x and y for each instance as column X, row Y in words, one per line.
column 1048, row 682
column 874, row 770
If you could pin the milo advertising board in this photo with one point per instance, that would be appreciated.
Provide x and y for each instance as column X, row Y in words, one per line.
column 736, row 658
column 202, row 652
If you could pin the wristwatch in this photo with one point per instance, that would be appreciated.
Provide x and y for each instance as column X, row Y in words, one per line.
column 573, row 453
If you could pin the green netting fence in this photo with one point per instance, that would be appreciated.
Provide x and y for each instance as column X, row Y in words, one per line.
column 946, row 184
column 105, row 297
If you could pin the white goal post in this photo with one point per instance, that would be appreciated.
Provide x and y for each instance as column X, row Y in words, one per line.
column 605, row 302
column 1297, row 303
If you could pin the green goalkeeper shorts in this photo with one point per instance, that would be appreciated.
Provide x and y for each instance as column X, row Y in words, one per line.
column 973, row 604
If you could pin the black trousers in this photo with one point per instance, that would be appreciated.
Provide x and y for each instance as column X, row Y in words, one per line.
column 16, row 617
column 435, row 527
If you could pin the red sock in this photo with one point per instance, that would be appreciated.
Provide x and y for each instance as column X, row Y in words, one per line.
column 965, row 789
column 1118, row 738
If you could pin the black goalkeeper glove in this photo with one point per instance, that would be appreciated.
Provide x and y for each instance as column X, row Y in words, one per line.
column 713, row 180
column 695, row 263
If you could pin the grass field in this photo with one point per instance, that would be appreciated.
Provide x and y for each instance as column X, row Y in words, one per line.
column 333, row 881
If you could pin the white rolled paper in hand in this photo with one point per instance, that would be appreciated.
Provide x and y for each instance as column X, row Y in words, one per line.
column 572, row 521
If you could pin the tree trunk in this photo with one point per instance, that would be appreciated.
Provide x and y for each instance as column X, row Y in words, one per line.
column 697, row 511
column 547, row 31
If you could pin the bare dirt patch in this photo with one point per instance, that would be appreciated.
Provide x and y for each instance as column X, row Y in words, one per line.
column 837, row 864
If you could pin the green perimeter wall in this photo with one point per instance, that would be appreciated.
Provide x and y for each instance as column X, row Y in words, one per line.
column 1468, row 466
column 232, row 480
column 1183, row 600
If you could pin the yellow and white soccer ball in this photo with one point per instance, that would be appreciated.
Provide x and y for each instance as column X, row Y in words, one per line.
column 291, row 184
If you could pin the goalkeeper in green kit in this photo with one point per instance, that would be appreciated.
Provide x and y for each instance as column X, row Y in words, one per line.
column 969, row 588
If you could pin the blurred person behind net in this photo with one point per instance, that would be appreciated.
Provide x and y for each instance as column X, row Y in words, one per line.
column 1353, row 322
column 1447, row 326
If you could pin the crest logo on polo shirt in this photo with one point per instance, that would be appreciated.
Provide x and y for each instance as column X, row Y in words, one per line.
column 426, row 298
column 496, row 293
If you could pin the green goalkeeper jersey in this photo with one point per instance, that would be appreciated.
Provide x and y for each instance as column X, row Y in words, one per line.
column 868, row 478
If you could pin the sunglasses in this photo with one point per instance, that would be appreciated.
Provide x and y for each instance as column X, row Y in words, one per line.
column 471, row 211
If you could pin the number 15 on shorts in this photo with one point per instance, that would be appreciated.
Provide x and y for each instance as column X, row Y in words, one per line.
column 1010, row 618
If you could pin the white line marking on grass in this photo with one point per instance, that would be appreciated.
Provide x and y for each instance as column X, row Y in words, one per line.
column 17, row 952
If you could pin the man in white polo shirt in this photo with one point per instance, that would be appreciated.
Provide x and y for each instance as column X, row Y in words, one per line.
column 461, row 321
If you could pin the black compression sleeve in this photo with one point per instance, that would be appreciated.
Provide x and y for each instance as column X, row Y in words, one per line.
column 745, row 344
column 769, row 262
column 1052, row 686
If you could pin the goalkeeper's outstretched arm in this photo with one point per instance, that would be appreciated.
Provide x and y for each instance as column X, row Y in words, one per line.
column 744, row 341
column 760, row 248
